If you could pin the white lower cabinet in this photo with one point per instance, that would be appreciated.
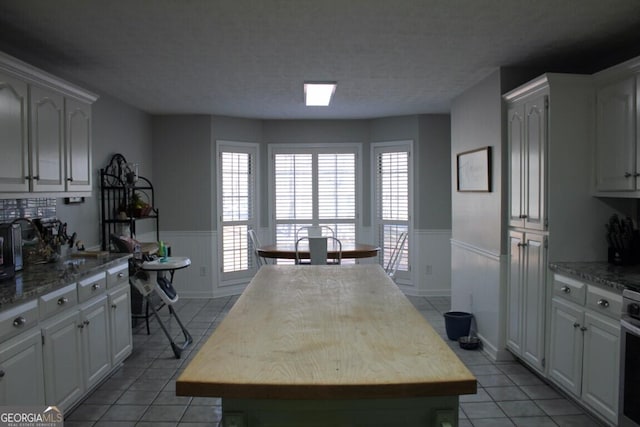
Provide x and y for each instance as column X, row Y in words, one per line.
column 526, row 296
column 21, row 370
column 83, row 333
column 96, row 341
column 585, row 345
column 62, row 351
column 120, row 322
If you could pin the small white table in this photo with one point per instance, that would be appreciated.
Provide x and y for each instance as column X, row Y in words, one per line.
column 154, row 279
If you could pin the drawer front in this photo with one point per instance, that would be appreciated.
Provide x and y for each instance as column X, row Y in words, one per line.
column 58, row 301
column 92, row 286
column 569, row 289
column 118, row 275
column 604, row 302
column 18, row 319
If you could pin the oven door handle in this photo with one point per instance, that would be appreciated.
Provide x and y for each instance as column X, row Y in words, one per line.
column 631, row 328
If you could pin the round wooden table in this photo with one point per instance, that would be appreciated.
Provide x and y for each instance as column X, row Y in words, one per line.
column 349, row 250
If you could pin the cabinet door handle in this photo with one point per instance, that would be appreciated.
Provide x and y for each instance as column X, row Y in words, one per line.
column 628, row 174
column 114, row 305
column 1, row 373
column 63, row 300
column 583, row 329
column 19, row 321
column 566, row 289
column 95, row 286
column 522, row 245
column 635, row 175
column 86, row 322
column 81, row 326
column 523, row 216
column 575, row 325
column 120, row 275
column 603, row 303
column 70, row 179
column 36, row 177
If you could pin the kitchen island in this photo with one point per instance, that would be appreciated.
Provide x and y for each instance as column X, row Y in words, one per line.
column 327, row 345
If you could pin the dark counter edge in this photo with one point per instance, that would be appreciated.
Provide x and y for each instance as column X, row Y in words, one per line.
column 601, row 273
column 39, row 279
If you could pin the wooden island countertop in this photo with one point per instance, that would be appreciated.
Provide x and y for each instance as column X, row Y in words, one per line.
column 324, row 332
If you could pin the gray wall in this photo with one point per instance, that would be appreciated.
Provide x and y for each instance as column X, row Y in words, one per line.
column 182, row 172
column 184, row 163
column 116, row 128
column 476, row 118
column 432, row 204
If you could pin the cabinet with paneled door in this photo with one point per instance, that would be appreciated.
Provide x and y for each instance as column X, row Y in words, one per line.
column 549, row 125
column 58, row 347
column 526, row 293
column 46, row 126
column 617, row 153
column 21, row 370
column 584, row 344
column 527, row 130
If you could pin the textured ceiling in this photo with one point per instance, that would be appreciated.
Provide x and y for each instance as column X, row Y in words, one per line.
column 249, row 58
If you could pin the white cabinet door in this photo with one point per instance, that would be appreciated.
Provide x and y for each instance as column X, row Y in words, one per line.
column 96, row 346
column 21, row 370
column 120, row 318
column 566, row 343
column 527, row 137
column 601, row 364
column 62, row 351
column 535, row 157
column 616, row 162
column 517, row 149
column 14, row 161
column 47, row 140
column 534, row 269
column 526, row 296
column 515, row 292
column 78, row 143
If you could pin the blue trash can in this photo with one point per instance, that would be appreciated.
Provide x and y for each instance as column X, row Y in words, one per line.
column 457, row 324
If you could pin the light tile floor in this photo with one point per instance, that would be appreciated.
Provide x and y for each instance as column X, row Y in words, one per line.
column 142, row 391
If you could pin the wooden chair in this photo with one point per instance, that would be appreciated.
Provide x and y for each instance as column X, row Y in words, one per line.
column 318, row 250
column 396, row 255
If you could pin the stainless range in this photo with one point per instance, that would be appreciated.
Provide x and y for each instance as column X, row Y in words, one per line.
column 629, row 409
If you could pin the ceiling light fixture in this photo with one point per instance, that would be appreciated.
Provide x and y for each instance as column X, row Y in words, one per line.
column 318, row 94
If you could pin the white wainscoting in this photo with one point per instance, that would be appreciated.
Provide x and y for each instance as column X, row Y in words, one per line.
column 430, row 264
column 430, row 275
column 478, row 286
column 200, row 279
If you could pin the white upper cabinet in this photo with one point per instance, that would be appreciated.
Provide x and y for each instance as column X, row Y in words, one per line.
column 47, row 140
column 14, row 162
column 616, row 142
column 527, row 127
column 45, row 129
column 78, row 144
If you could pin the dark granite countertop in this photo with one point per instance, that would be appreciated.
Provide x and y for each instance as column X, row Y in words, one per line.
column 39, row 279
column 602, row 273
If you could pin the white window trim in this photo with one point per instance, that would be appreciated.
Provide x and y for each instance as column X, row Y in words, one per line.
column 227, row 279
column 347, row 147
column 392, row 146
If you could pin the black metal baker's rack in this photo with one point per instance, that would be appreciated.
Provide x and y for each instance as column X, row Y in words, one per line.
column 118, row 183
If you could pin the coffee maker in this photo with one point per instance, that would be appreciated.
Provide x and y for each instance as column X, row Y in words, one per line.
column 10, row 250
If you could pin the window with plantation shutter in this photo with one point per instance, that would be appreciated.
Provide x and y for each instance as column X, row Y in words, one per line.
column 314, row 186
column 392, row 199
column 236, row 207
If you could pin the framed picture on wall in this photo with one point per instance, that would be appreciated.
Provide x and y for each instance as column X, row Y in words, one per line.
column 474, row 170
